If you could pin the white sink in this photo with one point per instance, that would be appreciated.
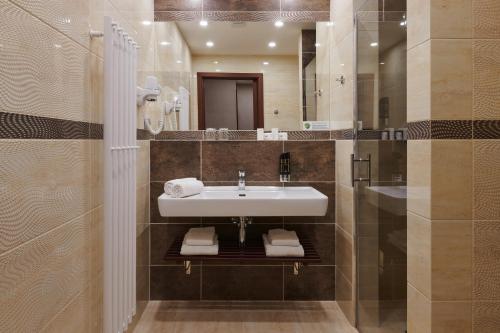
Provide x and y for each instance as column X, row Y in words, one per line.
column 257, row 201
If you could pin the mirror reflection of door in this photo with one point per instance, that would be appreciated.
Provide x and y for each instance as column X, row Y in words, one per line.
column 230, row 100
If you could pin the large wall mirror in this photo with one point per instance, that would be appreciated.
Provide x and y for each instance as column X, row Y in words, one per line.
column 240, row 75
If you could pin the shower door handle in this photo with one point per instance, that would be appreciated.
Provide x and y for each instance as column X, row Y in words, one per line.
column 361, row 160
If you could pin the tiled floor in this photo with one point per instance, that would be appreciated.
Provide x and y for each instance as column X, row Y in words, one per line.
column 244, row 317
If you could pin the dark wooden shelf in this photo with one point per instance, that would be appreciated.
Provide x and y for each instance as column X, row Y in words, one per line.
column 229, row 250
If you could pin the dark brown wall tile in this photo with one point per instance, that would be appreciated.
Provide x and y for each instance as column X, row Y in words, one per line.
column 171, row 283
column 312, row 160
column 242, row 283
column 321, row 235
column 327, row 189
column 174, row 159
column 178, row 5
column 222, row 160
column 162, row 237
column 312, row 283
column 157, row 189
column 240, row 5
column 306, row 5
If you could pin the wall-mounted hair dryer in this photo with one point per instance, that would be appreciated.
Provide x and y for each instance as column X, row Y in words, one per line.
column 150, row 92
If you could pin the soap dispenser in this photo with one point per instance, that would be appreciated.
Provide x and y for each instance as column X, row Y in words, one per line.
column 285, row 167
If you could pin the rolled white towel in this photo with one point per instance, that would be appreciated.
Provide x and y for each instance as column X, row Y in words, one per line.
column 170, row 184
column 282, row 237
column 282, row 251
column 186, row 188
column 201, row 236
column 194, row 250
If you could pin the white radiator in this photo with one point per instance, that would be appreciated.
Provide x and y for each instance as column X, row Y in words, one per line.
column 120, row 145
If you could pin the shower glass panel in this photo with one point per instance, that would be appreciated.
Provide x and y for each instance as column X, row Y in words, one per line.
column 379, row 171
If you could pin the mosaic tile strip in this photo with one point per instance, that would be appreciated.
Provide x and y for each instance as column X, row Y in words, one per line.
column 308, row 135
column 419, row 130
column 454, row 129
column 451, row 129
column 248, row 16
column 143, row 134
column 180, row 135
column 19, row 126
column 486, row 129
column 342, row 134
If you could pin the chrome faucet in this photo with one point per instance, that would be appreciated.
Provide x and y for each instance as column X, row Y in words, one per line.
column 241, row 180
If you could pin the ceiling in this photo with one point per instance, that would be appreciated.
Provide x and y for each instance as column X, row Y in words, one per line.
column 242, row 38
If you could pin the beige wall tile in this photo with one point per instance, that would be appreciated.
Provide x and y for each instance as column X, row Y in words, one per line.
column 342, row 14
column 419, row 177
column 143, row 163
column 451, row 75
column 486, row 260
column 486, row 317
column 451, row 251
column 143, row 205
column 44, row 73
column 96, row 242
column 342, row 95
column 344, row 254
column 96, row 173
column 40, row 277
column 343, row 151
column 486, row 179
column 96, row 304
column 44, row 184
column 486, row 60
column 419, row 254
column 450, row 317
column 419, row 312
column 419, row 82
column 418, row 22
column 344, row 212
column 344, row 296
column 451, row 19
column 485, row 18
column 75, row 316
column 451, row 189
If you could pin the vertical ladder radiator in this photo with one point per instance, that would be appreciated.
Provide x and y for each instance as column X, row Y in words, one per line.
column 120, row 154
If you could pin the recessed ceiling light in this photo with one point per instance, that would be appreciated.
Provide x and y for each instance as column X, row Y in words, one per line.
column 342, row 65
column 382, row 63
column 179, row 62
column 217, row 70
column 265, row 63
column 165, row 43
column 203, row 23
column 279, row 24
column 329, row 23
column 210, row 43
column 317, row 45
column 57, row 46
column 374, row 44
column 147, row 23
column 272, row 44
column 216, row 62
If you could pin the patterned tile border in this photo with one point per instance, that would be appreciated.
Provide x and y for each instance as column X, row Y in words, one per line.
column 342, row 134
column 454, row 129
column 249, row 16
column 239, row 136
column 19, row 126
column 143, row 134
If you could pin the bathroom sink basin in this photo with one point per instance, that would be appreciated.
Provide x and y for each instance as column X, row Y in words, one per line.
column 390, row 198
column 253, row 201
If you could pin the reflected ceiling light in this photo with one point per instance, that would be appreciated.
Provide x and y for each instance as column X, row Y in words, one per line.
column 329, row 24
column 57, row 46
column 342, row 65
column 279, row 24
column 165, row 43
column 179, row 62
column 216, row 62
column 217, row 70
column 265, row 63
column 210, row 43
column 374, row 44
column 271, row 44
column 317, row 45
column 382, row 63
column 203, row 23
column 146, row 23
column 402, row 23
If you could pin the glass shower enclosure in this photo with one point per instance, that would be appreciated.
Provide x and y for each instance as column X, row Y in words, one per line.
column 379, row 171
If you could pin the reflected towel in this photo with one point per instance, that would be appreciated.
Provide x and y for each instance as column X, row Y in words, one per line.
column 200, row 236
column 282, row 251
column 193, row 250
column 282, row 237
column 186, row 188
column 170, row 184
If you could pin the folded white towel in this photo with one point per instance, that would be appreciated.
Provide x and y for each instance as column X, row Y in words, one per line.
column 194, row 250
column 201, row 236
column 282, row 237
column 170, row 184
column 282, row 251
column 186, row 188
